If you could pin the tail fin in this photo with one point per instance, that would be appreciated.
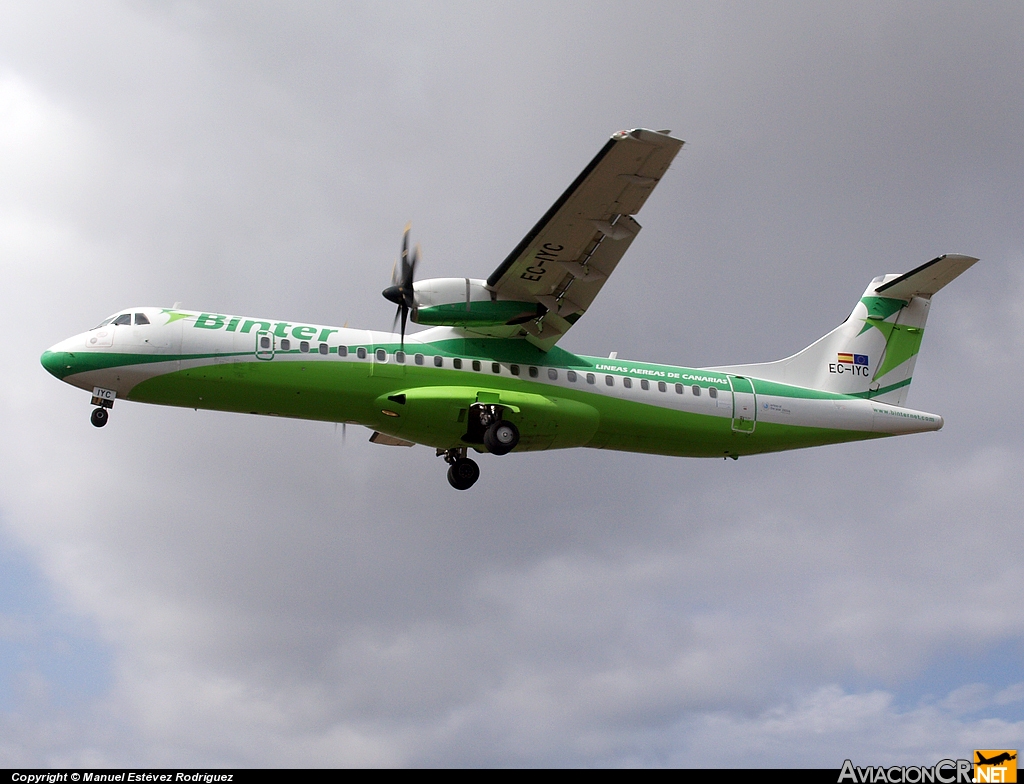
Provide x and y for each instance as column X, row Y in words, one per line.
column 871, row 354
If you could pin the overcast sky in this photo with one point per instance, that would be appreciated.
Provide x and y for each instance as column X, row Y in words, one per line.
column 194, row 588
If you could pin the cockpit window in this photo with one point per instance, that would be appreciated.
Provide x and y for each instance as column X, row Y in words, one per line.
column 104, row 323
column 124, row 318
column 141, row 318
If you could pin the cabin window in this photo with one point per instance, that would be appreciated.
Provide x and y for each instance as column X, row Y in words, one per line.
column 361, row 352
column 645, row 384
column 627, row 382
column 304, row 346
column 342, row 351
column 264, row 342
column 571, row 376
column 400, row 357
column 661, row 386
column 419, row 359
column 140, row 319
column 696, row 390
column 553, row 374
column 495, row 367
column 438, row 361
column 382, row 355
column 323, row 348
column 712, row 392
column 609, row 380
column 514, row 369
column 457, row 363
column 534, row 372
column 123, row 319
column 590, row 378
column 476, row 364
column 679, row 389
column 286, row 344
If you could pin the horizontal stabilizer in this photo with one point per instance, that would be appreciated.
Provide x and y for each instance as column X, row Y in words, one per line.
column 926, row 279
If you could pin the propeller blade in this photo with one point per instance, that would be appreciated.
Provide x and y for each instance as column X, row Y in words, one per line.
column 402, row 290
column 405, row 255
column 408, row 283
column 394, row 322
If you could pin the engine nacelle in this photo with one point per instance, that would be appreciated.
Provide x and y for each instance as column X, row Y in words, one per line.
column 467, row 302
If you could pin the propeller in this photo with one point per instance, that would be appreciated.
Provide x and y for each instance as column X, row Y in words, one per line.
column 401, row 290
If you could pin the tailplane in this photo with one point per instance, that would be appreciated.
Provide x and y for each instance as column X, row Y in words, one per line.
column 871, row 354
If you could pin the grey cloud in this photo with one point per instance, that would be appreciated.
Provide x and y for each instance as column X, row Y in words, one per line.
column 273, row 596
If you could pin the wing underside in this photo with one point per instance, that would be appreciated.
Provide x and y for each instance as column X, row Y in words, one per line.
column 563, row 262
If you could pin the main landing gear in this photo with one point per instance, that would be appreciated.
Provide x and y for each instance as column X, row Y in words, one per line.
column 462, row 472
column 501, row 438
column 487, row 427
column 99, row 417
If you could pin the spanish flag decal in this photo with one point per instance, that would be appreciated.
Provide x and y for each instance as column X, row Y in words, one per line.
column 852, row 359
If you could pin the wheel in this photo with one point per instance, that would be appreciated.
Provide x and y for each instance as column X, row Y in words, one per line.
column 501, row 438
column 99, row 417
column 463, row 473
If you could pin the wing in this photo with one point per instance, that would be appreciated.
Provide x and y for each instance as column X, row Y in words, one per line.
column 566, row 258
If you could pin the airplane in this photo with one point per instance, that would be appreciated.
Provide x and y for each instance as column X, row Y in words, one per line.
column 996, row 760
column 488, row 375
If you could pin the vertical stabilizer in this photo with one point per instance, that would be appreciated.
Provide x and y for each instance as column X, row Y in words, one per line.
column 872, row 354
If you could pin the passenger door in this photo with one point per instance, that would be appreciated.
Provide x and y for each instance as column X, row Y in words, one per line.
column 744, row 404
column 265, row 344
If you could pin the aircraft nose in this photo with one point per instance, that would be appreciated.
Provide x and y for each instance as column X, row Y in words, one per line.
column 55, row 362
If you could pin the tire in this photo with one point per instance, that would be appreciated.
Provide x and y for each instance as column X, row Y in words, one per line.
column 99, row 417
column 463, row 473
column 501, row 438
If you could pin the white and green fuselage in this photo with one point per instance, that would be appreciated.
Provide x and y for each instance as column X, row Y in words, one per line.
column 422, row 394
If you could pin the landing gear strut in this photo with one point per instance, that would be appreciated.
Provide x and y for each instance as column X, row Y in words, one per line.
column 462, row 472
column 99, row 417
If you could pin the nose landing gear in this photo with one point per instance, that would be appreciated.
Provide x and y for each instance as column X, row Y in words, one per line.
column 462, row 472
column 103, row 399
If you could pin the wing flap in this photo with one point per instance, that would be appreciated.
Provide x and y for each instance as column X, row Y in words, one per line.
column 383, row 438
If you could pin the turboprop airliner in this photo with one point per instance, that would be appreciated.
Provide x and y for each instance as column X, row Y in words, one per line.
column 488, row 374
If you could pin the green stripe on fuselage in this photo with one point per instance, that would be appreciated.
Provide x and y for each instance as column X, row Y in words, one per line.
column 329, row 389
column 72, row 363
